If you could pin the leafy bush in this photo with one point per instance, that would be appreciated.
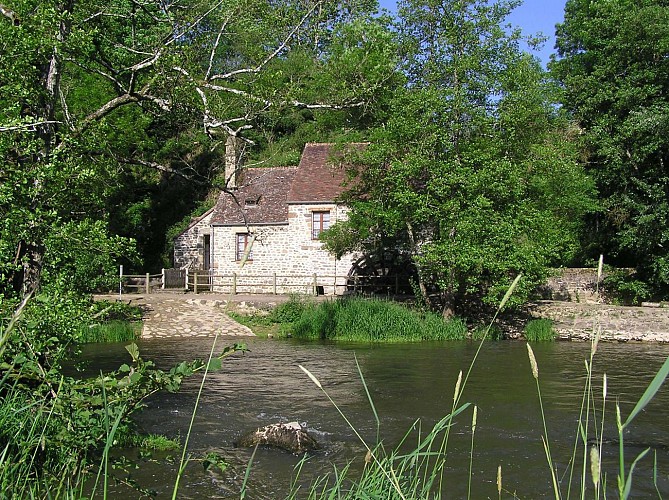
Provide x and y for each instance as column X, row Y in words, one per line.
column 538, row 330
column 289, row 312
column 622, row 287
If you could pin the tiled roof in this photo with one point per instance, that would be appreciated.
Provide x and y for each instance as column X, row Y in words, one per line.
column 261, row 196
column 319, row 178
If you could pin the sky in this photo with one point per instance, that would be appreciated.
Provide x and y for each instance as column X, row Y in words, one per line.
column 532, row 16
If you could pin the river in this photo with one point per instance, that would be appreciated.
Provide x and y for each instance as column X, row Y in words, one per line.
column 407, row 383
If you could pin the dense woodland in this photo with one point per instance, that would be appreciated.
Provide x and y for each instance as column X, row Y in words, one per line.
column 481, row 165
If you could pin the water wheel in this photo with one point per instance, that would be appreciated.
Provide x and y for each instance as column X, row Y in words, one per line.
column 386, row 273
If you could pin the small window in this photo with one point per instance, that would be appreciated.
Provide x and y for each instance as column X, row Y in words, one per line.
column 320, row 221
column 252, row 201
column 243, row 240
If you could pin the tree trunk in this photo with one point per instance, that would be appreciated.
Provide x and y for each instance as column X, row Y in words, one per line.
column 448, row 304
column 29, row 257
column 421, row 283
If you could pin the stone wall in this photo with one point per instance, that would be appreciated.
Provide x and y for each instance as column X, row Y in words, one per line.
column 284, row 250
column 189, row 245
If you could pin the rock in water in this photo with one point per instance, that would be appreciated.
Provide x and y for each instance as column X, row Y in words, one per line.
column 290, row 437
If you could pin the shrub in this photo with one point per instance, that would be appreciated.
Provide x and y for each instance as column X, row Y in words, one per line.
column 623, row 288
column 290, row 311
column 538, row 330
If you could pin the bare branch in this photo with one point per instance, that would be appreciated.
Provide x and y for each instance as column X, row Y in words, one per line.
column 150, row 61
column 163, row 168
column 108, row 107
column 276, row 52
column 215, row 48
column 117, row 83
column 28, row 127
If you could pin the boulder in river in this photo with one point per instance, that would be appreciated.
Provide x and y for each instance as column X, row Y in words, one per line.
column 290, row 437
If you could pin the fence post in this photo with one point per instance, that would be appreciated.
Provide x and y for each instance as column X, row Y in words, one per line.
column 147, row 285
column 234, row 283
column 195, row 282
column 315, row 284
column 162, row 277
column 274, row 284
column 120, row 281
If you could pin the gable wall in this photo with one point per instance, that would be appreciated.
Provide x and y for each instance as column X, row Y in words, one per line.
column 189, row 245
column 286, row 250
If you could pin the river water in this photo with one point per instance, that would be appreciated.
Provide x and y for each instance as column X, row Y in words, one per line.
column 407, row 383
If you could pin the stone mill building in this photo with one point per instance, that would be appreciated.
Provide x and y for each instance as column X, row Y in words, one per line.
column 262, row 235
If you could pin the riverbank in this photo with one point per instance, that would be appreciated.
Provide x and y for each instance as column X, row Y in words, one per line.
column 579, row 321
column 187, row 314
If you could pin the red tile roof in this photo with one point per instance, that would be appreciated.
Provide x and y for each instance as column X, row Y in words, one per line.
column 320, row 177
column 261, row 197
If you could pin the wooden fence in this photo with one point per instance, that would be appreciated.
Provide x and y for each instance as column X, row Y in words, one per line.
column 237, row 283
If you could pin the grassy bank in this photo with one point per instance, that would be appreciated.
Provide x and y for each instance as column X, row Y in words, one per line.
column 373, row 320
column 114, row 322
column 356, row 319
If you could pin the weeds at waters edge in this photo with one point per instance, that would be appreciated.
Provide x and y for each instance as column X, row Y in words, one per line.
column 590, row 448
column 540, row 330
column 373, row 320
column 112, row 331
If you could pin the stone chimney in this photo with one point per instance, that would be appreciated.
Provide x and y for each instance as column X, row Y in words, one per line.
column 233, row 153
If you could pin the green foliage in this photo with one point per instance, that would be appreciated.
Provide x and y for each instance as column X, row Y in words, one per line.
column 474, row 174
column 539, row 330
column 487, row 332
column 623, row 287
column 155, row 442
column 111, row 331
column 291, row 311
column 54, row 427
column 372, row 320
column 611, row 64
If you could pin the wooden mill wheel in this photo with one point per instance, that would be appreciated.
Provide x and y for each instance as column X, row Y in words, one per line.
column 386, row 273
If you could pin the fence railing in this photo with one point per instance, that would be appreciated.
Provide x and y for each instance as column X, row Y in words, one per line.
column 276, row 284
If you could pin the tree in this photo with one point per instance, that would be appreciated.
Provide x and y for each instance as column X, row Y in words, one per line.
column 613, row 66
column 90, row 91
column 474, row 175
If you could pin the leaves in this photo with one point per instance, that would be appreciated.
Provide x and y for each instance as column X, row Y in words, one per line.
column 614, row 76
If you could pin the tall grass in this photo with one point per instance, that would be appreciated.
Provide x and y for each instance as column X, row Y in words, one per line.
column 112, row 331
column 373, row 320
column 540, row 330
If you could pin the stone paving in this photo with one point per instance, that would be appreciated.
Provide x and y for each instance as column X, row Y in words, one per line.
column 580, row 321
column 188, row 315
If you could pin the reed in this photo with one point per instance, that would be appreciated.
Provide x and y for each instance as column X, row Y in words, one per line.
column 112, row 331
column 589, row 445
column 373, row 320
column 540, row 330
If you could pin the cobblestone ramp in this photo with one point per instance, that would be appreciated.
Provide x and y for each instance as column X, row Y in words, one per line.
column 179, row 317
